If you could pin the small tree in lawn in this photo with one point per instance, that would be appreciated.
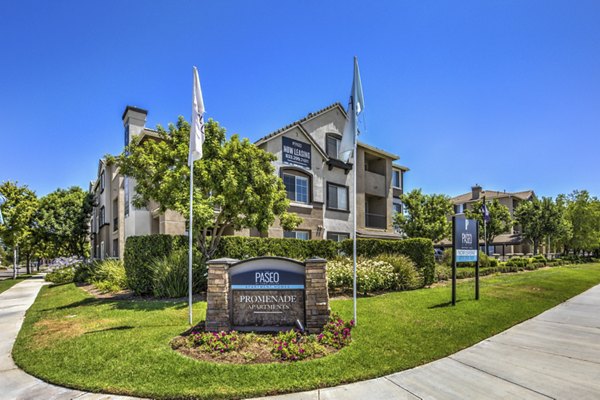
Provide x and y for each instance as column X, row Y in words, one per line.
column 500, row 219
column 426, row 216
column 18, row 212
column 235, row 185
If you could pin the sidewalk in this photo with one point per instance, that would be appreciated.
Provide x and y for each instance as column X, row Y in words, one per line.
column 15, row 383
column 554, row 355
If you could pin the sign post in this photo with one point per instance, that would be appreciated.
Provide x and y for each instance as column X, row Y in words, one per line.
column 465, row 248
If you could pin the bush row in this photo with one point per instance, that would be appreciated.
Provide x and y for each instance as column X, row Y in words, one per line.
column 107, row 275
column 141, row 252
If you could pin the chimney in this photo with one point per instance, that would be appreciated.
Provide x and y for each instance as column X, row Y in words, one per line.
column 476, row 191
column 134, row 121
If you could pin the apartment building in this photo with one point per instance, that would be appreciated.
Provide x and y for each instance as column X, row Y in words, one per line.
column 511, row 242
column 318, row 184
column 114, row 217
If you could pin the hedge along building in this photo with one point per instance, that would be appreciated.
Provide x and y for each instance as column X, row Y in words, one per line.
column 317, row 183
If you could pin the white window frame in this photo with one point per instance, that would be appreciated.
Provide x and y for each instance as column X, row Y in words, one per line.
column 337, row 235
column 399, row 174
column 345, row 197
column 297, row 180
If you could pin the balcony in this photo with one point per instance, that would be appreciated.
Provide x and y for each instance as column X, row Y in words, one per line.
column 375, row 184
column 377, row 221
column 116, row 224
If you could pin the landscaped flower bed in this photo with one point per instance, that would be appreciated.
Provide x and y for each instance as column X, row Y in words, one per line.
column 252, row 348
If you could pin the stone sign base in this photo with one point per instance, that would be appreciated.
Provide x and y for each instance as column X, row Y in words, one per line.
column 275, row 305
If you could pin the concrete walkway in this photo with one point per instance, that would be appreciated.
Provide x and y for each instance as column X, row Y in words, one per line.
column 554, row 355
column 15, row 383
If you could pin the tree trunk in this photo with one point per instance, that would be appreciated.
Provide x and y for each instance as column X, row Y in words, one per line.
column 15, row 262
column 535, row 247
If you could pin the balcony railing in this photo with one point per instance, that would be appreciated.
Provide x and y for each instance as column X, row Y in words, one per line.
column 375, row 221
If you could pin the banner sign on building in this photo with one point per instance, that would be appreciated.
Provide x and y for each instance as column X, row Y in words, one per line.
column 295, row 152
column 465, row 240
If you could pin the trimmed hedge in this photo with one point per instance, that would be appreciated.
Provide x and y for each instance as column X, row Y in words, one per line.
column 140, row 252
column 241, row 247
column 420, row 251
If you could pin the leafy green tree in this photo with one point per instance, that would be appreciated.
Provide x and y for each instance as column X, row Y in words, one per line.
column 426, row 216
column 235, row 185
column 500, row 219
column 539, row 219
column 63, row 222
column 18, row 212
column 583, row 213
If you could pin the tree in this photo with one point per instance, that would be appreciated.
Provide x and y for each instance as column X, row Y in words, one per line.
column 539, row 219
column 63, row 222
column 583, row 213
column 500, row 219
column 426, row 216
column 18, row 212
column 235, row 185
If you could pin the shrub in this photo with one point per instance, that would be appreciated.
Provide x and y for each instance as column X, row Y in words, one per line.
column 293, row 346
column 241, row 248
column 140, row 251
column 493, row 262
column 170, row 274
column 84, row 271
column 219, row 342
column 517, row 262
column 108, row 275
column 336, row 333
column 443, row 272
column 407, row 276
column 62, row 275
column 420, row 251
column 371, row 275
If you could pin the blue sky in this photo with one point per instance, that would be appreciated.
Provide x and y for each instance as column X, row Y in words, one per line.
column 501, row 93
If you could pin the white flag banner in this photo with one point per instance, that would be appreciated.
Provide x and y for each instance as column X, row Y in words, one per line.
column 197, row 131
column 355, row 106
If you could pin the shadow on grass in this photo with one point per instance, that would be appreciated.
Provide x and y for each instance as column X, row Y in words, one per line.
column 443, row 305
column 114, row 328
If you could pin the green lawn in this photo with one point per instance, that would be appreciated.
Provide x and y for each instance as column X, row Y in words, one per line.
column 8, row 283
column 71, row 339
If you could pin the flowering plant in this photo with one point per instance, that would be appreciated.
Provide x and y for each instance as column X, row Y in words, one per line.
column 337, row 332
column 220, row 342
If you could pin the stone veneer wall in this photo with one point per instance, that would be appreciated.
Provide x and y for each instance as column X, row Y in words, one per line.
column 316, row 304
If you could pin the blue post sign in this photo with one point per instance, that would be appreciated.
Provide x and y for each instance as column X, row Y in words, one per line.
column 465, row 248
column 465, row 240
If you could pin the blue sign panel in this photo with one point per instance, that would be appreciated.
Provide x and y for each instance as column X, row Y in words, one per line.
column 295, row 152
column 465, row 240
column 267, row 274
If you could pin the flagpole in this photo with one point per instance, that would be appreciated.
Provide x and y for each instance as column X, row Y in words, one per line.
column 190, row 240
column 355, row 235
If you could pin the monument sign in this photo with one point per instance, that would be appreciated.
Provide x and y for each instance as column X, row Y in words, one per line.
column 266, row 294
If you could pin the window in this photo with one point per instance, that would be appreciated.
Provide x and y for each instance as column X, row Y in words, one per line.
column 458, row 208
column 303, row 235
column 397, row 207
column 102, row 176
column 337, row 236
column 332, row 146
column 396, row 179
column 337, row 197
column 101, row 217
column 116, row 248
column 296, row 188
column 126, row 189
